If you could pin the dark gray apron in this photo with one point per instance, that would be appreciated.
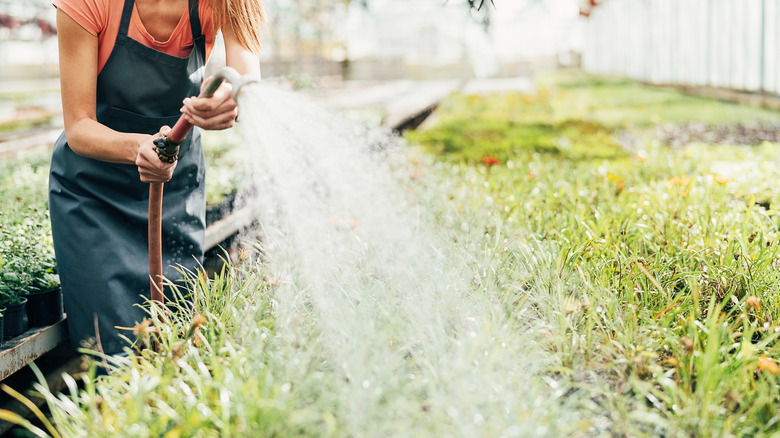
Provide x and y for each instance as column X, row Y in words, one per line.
column 99, row 210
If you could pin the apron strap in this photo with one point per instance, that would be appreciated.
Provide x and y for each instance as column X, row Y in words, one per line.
column 127, row 12
column 198, row 41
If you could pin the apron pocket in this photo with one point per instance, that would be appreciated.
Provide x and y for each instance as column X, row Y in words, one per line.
column 127, row 121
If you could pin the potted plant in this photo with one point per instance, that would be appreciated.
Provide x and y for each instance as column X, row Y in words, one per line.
column 13, row 284
column 23, row 253
column 30, row 273
column 44, row 295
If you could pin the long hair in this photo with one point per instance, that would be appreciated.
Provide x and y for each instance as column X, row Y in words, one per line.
column 246, row 16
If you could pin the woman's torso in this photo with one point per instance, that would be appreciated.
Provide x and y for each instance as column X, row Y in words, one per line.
column 99, row 210
column 102, row 19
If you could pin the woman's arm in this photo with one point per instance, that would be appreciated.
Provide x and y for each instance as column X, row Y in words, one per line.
column 86, row 137
column 239, row 57
column 219, row 111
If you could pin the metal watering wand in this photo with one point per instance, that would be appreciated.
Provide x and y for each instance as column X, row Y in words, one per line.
column 167, row 149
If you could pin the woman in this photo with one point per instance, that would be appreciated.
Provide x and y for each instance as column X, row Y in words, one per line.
column 128, row 69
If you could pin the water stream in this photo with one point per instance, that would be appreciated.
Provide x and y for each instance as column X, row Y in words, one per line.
column 374, row 302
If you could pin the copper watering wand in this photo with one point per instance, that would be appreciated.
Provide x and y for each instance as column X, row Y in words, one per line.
column 167, row 149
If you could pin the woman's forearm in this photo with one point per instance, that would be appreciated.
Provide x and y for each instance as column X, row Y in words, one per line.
column 91, row 139
column 88, row 138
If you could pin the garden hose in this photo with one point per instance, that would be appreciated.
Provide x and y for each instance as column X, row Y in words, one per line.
column 167, row 148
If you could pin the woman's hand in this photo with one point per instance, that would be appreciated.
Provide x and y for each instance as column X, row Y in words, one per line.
column 216, row 112
column 150, row 167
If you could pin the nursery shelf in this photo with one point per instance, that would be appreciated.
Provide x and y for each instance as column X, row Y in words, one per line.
column 16, row 353
column 230, row 225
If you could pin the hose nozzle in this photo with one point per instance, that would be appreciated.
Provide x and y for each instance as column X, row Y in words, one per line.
column 167, row 148
column 230, row 75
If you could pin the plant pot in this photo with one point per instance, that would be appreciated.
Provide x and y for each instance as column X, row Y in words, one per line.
column 45, row 307
column 15, row 319
column 2, row 320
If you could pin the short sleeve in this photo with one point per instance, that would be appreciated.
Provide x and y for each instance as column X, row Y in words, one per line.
column 92, row 15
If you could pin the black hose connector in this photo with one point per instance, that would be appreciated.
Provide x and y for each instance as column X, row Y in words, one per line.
column 167, row 150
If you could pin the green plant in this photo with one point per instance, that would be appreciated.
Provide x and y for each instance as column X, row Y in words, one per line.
column 42, row 268
column 14, row 280
column 27, row 263
column 26, row 247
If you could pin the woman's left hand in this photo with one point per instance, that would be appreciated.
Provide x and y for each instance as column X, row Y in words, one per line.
column 216, row 112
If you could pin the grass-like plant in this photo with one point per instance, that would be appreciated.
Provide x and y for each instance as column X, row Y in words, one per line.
column 630, row 292
column 194, row 369
column 664, row 260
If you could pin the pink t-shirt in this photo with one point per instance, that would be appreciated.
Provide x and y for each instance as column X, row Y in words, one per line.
column 102, row 18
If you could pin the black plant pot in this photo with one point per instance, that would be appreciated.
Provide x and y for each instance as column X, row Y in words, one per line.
column 2, row 321
column 15, row 319
column 45, row 307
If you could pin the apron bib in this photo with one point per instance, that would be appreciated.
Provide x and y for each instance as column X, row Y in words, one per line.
column 99, row 210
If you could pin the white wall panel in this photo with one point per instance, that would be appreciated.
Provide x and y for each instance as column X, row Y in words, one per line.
column 721, row 43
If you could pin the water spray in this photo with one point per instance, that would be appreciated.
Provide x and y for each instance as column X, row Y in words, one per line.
column 167, row 148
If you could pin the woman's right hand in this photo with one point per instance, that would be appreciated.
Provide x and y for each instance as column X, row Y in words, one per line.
column 150, row 167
